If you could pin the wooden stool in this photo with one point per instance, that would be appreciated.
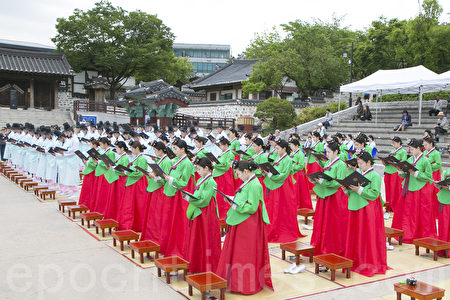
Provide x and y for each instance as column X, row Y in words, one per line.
column 392, row 232
column 65, row 202
column 27, row 185
column 24, row 180
column 81, row 175
column 142, row 247
column 17, row 178
column 103, row 224
column 11, row 173
column 74, row 208
column 421, row 291
column 50, row 193
column 16, row 175
column 333, row 262
column 297, row 249
column 432, row 244
column 89, row 217
column 39, row 188
column 124, row 235
column 223, row 227
column 169, row 264
column 205, row 282
column 305, row 212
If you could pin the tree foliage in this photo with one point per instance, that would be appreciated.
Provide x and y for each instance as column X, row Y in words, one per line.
column 309, row 114
column 279, row 113
column 119, row 44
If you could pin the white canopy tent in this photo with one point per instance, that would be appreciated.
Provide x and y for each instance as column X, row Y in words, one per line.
column 399, row 81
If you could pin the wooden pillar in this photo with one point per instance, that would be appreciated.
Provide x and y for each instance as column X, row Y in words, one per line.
column 31, row 93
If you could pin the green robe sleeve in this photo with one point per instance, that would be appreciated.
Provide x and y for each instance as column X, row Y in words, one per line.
column 133, row 177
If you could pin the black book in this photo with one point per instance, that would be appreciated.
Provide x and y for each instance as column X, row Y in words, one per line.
column 225, row 196
column 40, row 149
column 308, row 150
column 108, row 162
column 355, row 179
column 352, row 162
column 50, row 150
column 93, row 153
column 405, row 166
column 81, row 155
column 187, row 193
column 212, row 158
column 351, row 152
column 320, row 156
column 389, row 160
column 121, row 168
column 157, row 170
column 151, row 156
column 59, row 149
column 84, row 140
column 143, row 135
column 444, row 182
column 142, row 170
column 268, row 168
column 170, row 153
column 317, row 175
column 211, row 138
column 240, row 152
column 26, row 144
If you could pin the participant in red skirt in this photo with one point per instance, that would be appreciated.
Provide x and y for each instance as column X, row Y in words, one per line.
column 103, row 185
column 174, row 222
column 134, row 202
column 366, row 241
column 435, row 159
column 235, row 145
column 280, row 199
column 259, row 158
column 312, row 165
column 155, row 189
column 200, row 150
column 223, row 176
column 117, row 181
column 89, row 180
column 301, row 187
column 331, row 214
column 414, row 211
column 244, row 261
column 444, row 211
column 393, row 182
column 202, row 243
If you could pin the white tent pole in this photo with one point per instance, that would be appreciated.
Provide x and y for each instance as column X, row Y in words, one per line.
column 420, row 105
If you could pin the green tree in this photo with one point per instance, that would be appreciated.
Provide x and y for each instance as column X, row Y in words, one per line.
column 118, row 44
column 279, row 113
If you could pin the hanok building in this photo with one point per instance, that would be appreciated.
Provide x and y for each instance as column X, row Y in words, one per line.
column 31, row 75
column 153, row 102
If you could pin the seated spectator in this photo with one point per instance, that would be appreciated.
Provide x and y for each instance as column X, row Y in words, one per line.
column 441, row 125
column 437, row 106
column 359, row 109
column 427, row 133
column 322, row 130
column 405, row 122
column 328, row 119
column 367, row 115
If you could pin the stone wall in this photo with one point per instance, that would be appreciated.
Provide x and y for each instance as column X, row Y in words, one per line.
column 64, row 100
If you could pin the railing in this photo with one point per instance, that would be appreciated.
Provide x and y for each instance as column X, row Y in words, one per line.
column 187, row 120
column 86, row 106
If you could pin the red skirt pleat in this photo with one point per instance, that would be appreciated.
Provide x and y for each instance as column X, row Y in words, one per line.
column 197, row 176
column 115, row 197
column 312, row 168
column 301, row 189
column 393, row 187
column 153, row 220
column 174, row 222
column 134, row 206
column 366, row 241
column 101, row 199
column 415, row 216
column 437, row 175
column 281, row 207
column 202, row 244
column 330, row 224
column 87, row 188
column 444, row 225
column 244, row 261
column 225, row 184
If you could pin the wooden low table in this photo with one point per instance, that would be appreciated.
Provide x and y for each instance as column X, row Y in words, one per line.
column 124, row 236
column 297, row 249
column 169, row 264
column 305, row 212
column 392, row 232
column 333, row 262
column 206, row 282
column 90, row 216
column 39, row 188
column 106, row 224
column 72, row 209
column 50, row 193
column 142, row 247
column 21, row 182
column 421, row 291
column 27, row 185
column 21, row 177
column 223, row 227
column 65, row 202
column 432, row 244
column 13, row 177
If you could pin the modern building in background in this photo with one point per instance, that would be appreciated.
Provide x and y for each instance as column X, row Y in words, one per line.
column 206, row 58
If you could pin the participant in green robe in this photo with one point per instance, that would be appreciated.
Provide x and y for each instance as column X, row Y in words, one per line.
column 284, row 167
column 199, row 144
column 434, row 156
column 141, row 162
column 359, row 197
column 164, row 163
column 444, row 193
column 419, row 178
column 249, row 152
column 259, row 157
column 235, row 145
column 225, row 159
column 91, row 163
column 398, row 152
column 101, row 168
column 112, row 175
column 317, row 146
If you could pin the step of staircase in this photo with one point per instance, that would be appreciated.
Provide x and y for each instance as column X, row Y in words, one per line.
column 36, row 117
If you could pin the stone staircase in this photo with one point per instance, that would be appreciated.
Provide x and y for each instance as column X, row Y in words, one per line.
column 382, row 130
column 34, row 116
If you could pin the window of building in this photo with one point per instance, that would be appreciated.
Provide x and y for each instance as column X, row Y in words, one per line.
column 226, row 96
column 213, row 96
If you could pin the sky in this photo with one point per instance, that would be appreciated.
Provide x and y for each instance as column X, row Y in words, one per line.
column 231, row 22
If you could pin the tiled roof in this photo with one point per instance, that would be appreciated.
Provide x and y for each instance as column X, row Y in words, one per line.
column 169, row 92
column 34, row 62
column 145, row 88
column 236, row 71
